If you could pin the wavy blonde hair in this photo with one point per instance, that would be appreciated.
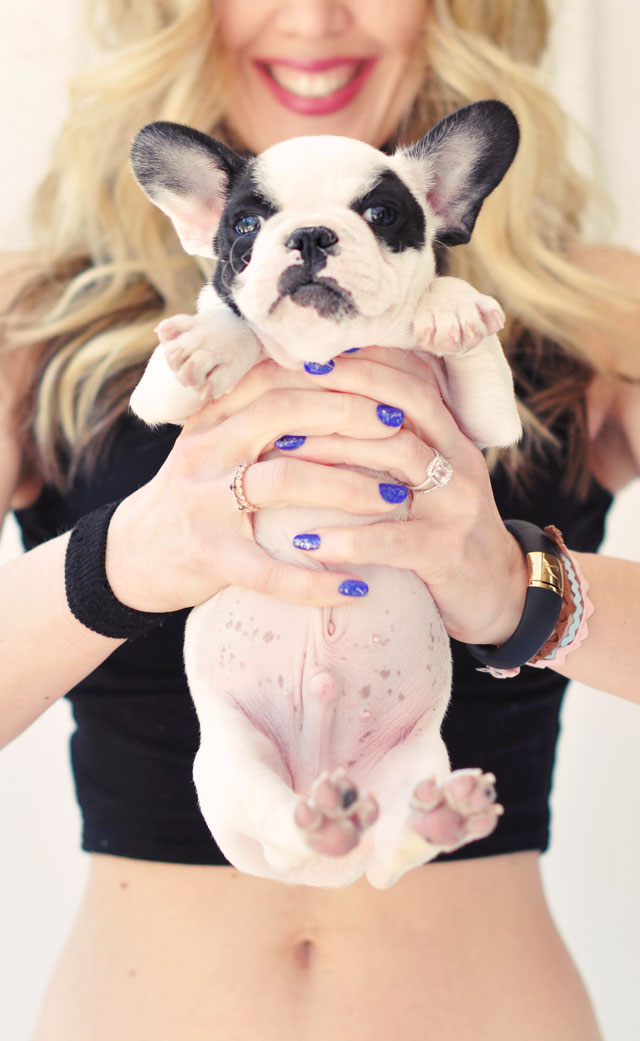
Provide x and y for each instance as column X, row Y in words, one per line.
column 111, row 265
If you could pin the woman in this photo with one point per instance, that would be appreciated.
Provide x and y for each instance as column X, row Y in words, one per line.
column 169, row 941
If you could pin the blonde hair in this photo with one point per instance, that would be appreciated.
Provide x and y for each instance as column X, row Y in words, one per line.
column 112, row 265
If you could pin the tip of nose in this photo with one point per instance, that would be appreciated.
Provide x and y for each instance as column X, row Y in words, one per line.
column 320, row 237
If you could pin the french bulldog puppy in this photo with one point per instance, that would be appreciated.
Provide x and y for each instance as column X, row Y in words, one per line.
column 321, row 756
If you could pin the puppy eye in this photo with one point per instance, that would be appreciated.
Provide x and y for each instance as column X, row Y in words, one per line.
column 250, row 224
column 381, row 215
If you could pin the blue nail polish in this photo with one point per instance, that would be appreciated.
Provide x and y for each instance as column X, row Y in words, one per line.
column 389, row 415
column 393, row 492
column 316, row 368
column 353, row 587
column 289, row 441
column 351, row 350
column 306, row 541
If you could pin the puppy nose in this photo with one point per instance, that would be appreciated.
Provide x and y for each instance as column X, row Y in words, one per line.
column 313, row 244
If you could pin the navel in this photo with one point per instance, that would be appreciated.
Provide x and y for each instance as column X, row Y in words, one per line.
column 303, row 952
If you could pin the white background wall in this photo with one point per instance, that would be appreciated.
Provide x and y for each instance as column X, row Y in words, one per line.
column 593, row 869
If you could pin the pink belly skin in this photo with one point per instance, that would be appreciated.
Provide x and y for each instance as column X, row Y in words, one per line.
column 329, row 686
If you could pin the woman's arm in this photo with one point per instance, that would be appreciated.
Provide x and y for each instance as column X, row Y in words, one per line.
column 44, row 651
column 609, row 659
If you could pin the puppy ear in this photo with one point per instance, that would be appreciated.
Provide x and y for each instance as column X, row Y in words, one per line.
column 187, row 175
column 464, row 157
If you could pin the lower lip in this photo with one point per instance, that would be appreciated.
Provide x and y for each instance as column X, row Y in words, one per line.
column 323, row 106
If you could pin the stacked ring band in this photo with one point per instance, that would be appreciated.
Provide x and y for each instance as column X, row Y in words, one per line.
column 237, row 487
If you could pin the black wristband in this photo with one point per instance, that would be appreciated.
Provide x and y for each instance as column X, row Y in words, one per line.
column 542, row 604
column 89, row 595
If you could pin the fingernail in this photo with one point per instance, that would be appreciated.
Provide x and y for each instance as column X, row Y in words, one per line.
column 393, row 492
column 389, row 415
column 351, row 350
column 289, row 441
column 316, row 368
column 353, row 587
column 306, row 541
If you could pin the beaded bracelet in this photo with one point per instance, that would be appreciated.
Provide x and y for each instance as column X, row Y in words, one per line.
column 89, row 595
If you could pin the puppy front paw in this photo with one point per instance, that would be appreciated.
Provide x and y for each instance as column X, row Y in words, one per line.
column 202, row 356
column 453, row 318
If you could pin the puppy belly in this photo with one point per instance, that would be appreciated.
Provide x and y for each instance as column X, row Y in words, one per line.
column 329, row 686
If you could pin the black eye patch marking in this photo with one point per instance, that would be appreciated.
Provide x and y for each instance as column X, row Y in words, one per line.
column 244, row 215
column 393, row 213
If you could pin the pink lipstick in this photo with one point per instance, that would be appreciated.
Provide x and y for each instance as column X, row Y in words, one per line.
column 315, row 88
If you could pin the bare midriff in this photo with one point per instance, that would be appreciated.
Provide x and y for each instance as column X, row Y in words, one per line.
column 451, row 952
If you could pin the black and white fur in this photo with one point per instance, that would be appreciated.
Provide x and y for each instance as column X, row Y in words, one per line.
column 324, row 244
column 330, row 267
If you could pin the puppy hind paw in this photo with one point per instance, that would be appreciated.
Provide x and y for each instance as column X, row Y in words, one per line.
column 460, row 810
column 335, row 815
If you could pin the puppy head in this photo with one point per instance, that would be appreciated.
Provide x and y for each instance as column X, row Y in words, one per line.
column 320, row 241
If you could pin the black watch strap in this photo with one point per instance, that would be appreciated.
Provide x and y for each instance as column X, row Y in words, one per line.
column 542, row 605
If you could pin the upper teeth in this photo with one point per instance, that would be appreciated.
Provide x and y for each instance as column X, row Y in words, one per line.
column 312, row 84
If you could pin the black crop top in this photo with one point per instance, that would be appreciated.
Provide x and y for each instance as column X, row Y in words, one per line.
column 137, row 732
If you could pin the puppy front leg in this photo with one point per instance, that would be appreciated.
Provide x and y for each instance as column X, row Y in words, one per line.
column 159, row 397
column 458, row 325
column 199, row 358
column 209, row 351
column 477, row 388
column 452, row 317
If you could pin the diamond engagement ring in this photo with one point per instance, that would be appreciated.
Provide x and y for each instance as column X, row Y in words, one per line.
column 237, row 487
column 437, row 475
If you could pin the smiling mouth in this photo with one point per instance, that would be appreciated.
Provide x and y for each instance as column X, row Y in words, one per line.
column 307, row 83
column 315, row 88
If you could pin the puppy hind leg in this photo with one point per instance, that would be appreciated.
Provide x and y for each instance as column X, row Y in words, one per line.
column 245, row 794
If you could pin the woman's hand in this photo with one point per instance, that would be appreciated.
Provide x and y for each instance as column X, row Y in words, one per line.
column 179, row 539
column 454, row 538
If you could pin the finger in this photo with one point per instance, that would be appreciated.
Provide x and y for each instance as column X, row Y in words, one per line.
column 286, row 481
column 404, row 457
column 308, row 412
column 266, row 375
column 385, row 543
column 419, row 398
column 415, row 363
column 298, row 585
